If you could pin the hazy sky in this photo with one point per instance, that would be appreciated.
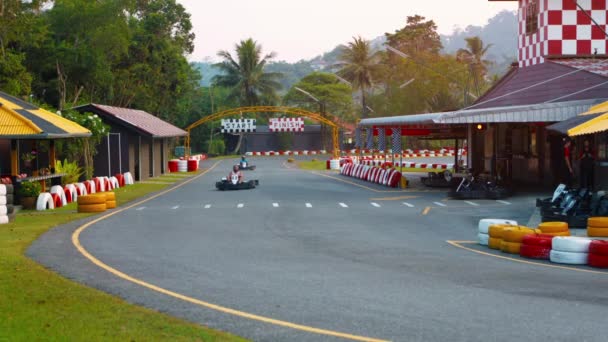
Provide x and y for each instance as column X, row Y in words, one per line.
column 306, row 28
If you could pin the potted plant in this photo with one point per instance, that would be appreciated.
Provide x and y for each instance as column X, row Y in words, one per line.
column 28, row 158
column 28, row 193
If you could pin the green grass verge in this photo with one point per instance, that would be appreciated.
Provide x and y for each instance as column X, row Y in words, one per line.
column 37, row 304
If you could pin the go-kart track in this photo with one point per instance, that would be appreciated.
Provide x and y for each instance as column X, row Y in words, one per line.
column 313, row 256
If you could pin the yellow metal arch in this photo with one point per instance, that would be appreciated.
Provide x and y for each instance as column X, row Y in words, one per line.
column 270, row 109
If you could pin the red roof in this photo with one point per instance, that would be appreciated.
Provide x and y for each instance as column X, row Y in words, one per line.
column 573, row 80
column 136, row 119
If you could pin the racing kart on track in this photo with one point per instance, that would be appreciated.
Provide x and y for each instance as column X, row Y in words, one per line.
column 233, row 184
column 244, row 166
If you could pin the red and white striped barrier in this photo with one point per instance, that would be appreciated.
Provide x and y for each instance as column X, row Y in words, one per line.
column 373, row 154
column 388, row 177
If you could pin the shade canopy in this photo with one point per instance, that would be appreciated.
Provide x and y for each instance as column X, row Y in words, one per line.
column 23, row 120
column 564, row 126
column 596, row 125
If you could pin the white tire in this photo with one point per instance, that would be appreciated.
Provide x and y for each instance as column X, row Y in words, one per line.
column 82, row 189
column 45, row 200
column 483, row 239
column 2, row 190
column 3, row 200
column 4, row 219
column 3, row 210
column 128, row 178
column 569, row 258
column 57, row 189
column 571, row 244
column 484, row 224
column 93, row 187
column 73, row 192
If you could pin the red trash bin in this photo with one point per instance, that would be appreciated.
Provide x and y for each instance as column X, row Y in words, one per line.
column 192, row 165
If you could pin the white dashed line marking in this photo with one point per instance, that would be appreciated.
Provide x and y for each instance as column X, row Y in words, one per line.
column 240, row 205
column 176, row 207
column 207, row 206
column 440, row 204
column 375, row 205
column 504, row 202
column 140, row 208
column 276, row 205
column 308, row 205
column 408, row 205
column 471, row 203
column 343, row 205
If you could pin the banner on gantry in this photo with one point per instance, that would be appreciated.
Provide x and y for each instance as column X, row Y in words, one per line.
column 238, row 125
column 286, row 125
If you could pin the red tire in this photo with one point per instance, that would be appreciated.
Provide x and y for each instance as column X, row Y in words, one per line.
column 534, row 252
column 394, row 180
column 539, row 240
column 599, row 247
column 598, row 260
column 57, row 200
column 68, row 194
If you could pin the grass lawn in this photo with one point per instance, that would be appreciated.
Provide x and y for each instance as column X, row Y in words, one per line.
column 38, row 304
column 321, row 165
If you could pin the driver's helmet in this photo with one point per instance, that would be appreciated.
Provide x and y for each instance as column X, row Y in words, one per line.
column 235, row 168
column 243, row 157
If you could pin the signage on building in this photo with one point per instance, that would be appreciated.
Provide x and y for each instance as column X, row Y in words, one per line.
column 238, row 125
column 286, row 125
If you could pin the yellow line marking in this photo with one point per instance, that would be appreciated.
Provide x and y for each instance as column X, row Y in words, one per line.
column 114, row 271
column 459, row 244
column 426, row 210
column 393, row 198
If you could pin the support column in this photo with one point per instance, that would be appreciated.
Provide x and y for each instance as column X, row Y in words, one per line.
column 14, row 158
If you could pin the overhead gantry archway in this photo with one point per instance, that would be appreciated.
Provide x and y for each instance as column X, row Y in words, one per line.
column 271, row 109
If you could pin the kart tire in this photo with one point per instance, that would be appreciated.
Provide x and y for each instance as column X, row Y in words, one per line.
column 510, row 247
column 110, row 204
column 599, row 247
column 110, row 196
column 483, row 239
column 92, row 199
column 597, row 232
column 535, row 252
column 4, row 219
column 44, row 202
column 598, row 222
column 494, row 243
column 571, row 244
column 598, row 260
column 484, row 224
column 538, row 240
column 92, row 208
column 569, row 258
column 516, row 234
column 553, row 227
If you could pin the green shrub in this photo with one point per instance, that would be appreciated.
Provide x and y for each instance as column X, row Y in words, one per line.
column 217, row 147
column 30, row 189
column 72, row 170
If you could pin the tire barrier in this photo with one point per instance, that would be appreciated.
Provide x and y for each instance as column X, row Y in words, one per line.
column 374, row 154
column 81, row 190
column 570, row 250
column 100, row 184
column 71, row 193
column 512, row 239
column 496, row 234
column 597, row 227
column 387, row 177
column 3, row 190
column 92, row 208
column 484, row 224
column 483, row 239
column 110, row 200
column 598, row 254
column 192, row 165
column 92, row 203
column 6, row 207
column 44, row 202
column 121, row 180
column 410, row 165
column 57, row 189
column 569, row 258
column 128, row 178
column 555, row 228
column 114, row 182
column 91, row 188
column 182, row 166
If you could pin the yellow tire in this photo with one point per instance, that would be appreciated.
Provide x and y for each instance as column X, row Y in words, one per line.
column 516, row 234
column 567, row 233
column 91, row 199
column 110, row 204
column 553, row 227
column 597, row 232
column 92, row 208
column 494, row 243
column 598, row 222
column 496, row 230
column 510, row 247
column 110, row 196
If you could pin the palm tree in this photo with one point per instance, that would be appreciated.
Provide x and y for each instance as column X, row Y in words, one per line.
column 244, row 75
column 358, row 65
column 474, row 55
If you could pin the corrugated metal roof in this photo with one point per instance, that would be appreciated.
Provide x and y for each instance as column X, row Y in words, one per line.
column 136, row 119
column 564, row 126
column 595, row 125
column 401, row 120
column 597, row 109
column 23, row 120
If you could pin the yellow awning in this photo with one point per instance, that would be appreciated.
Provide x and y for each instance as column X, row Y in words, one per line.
column 597, row 109
column 596, row 125
column 23, row 120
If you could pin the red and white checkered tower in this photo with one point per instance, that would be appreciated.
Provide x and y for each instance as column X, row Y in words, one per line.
column 559, row 28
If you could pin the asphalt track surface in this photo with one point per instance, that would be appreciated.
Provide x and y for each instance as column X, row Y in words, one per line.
column 315, row 251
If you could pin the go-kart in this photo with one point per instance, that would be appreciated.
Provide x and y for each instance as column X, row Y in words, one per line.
column 443, row 179
column 573, row 206
column 233, row 184
column 245, row 166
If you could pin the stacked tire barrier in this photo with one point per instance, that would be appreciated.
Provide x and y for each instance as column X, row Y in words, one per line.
column 110, row 200
column 570, row 250
column 182, row 166
column 598, row 254
column 496, row 235
column 386, row 177
column 7, row 199
column 92, row 203
column 554, row 228
column 597, row 227
column 45, row 202
column 484, row 227
column 513, row 237
column 536, row 246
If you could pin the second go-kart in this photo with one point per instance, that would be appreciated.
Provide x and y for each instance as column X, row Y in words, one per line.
column 243, row 165
column 233, row 184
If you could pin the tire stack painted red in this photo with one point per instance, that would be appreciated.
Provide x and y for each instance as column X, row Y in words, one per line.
column 598, row 254
column 172, row 166
column 388, row 177
column 536, row 246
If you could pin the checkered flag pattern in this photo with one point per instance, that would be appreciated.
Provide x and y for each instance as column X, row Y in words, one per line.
column 286, row 125
column 358, row 137
column 396, row 141
column 370, row 138
column 238, row 125
column 382, row 139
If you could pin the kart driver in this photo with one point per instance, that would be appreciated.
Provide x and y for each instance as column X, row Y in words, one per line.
column 236, row 173
column 243, row 161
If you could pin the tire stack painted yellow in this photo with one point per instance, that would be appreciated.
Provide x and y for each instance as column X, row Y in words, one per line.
column 597, row 227
column 512, row 238
column 554, row 228
column 92, row 203
column 110, row 200
column 496, row 233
